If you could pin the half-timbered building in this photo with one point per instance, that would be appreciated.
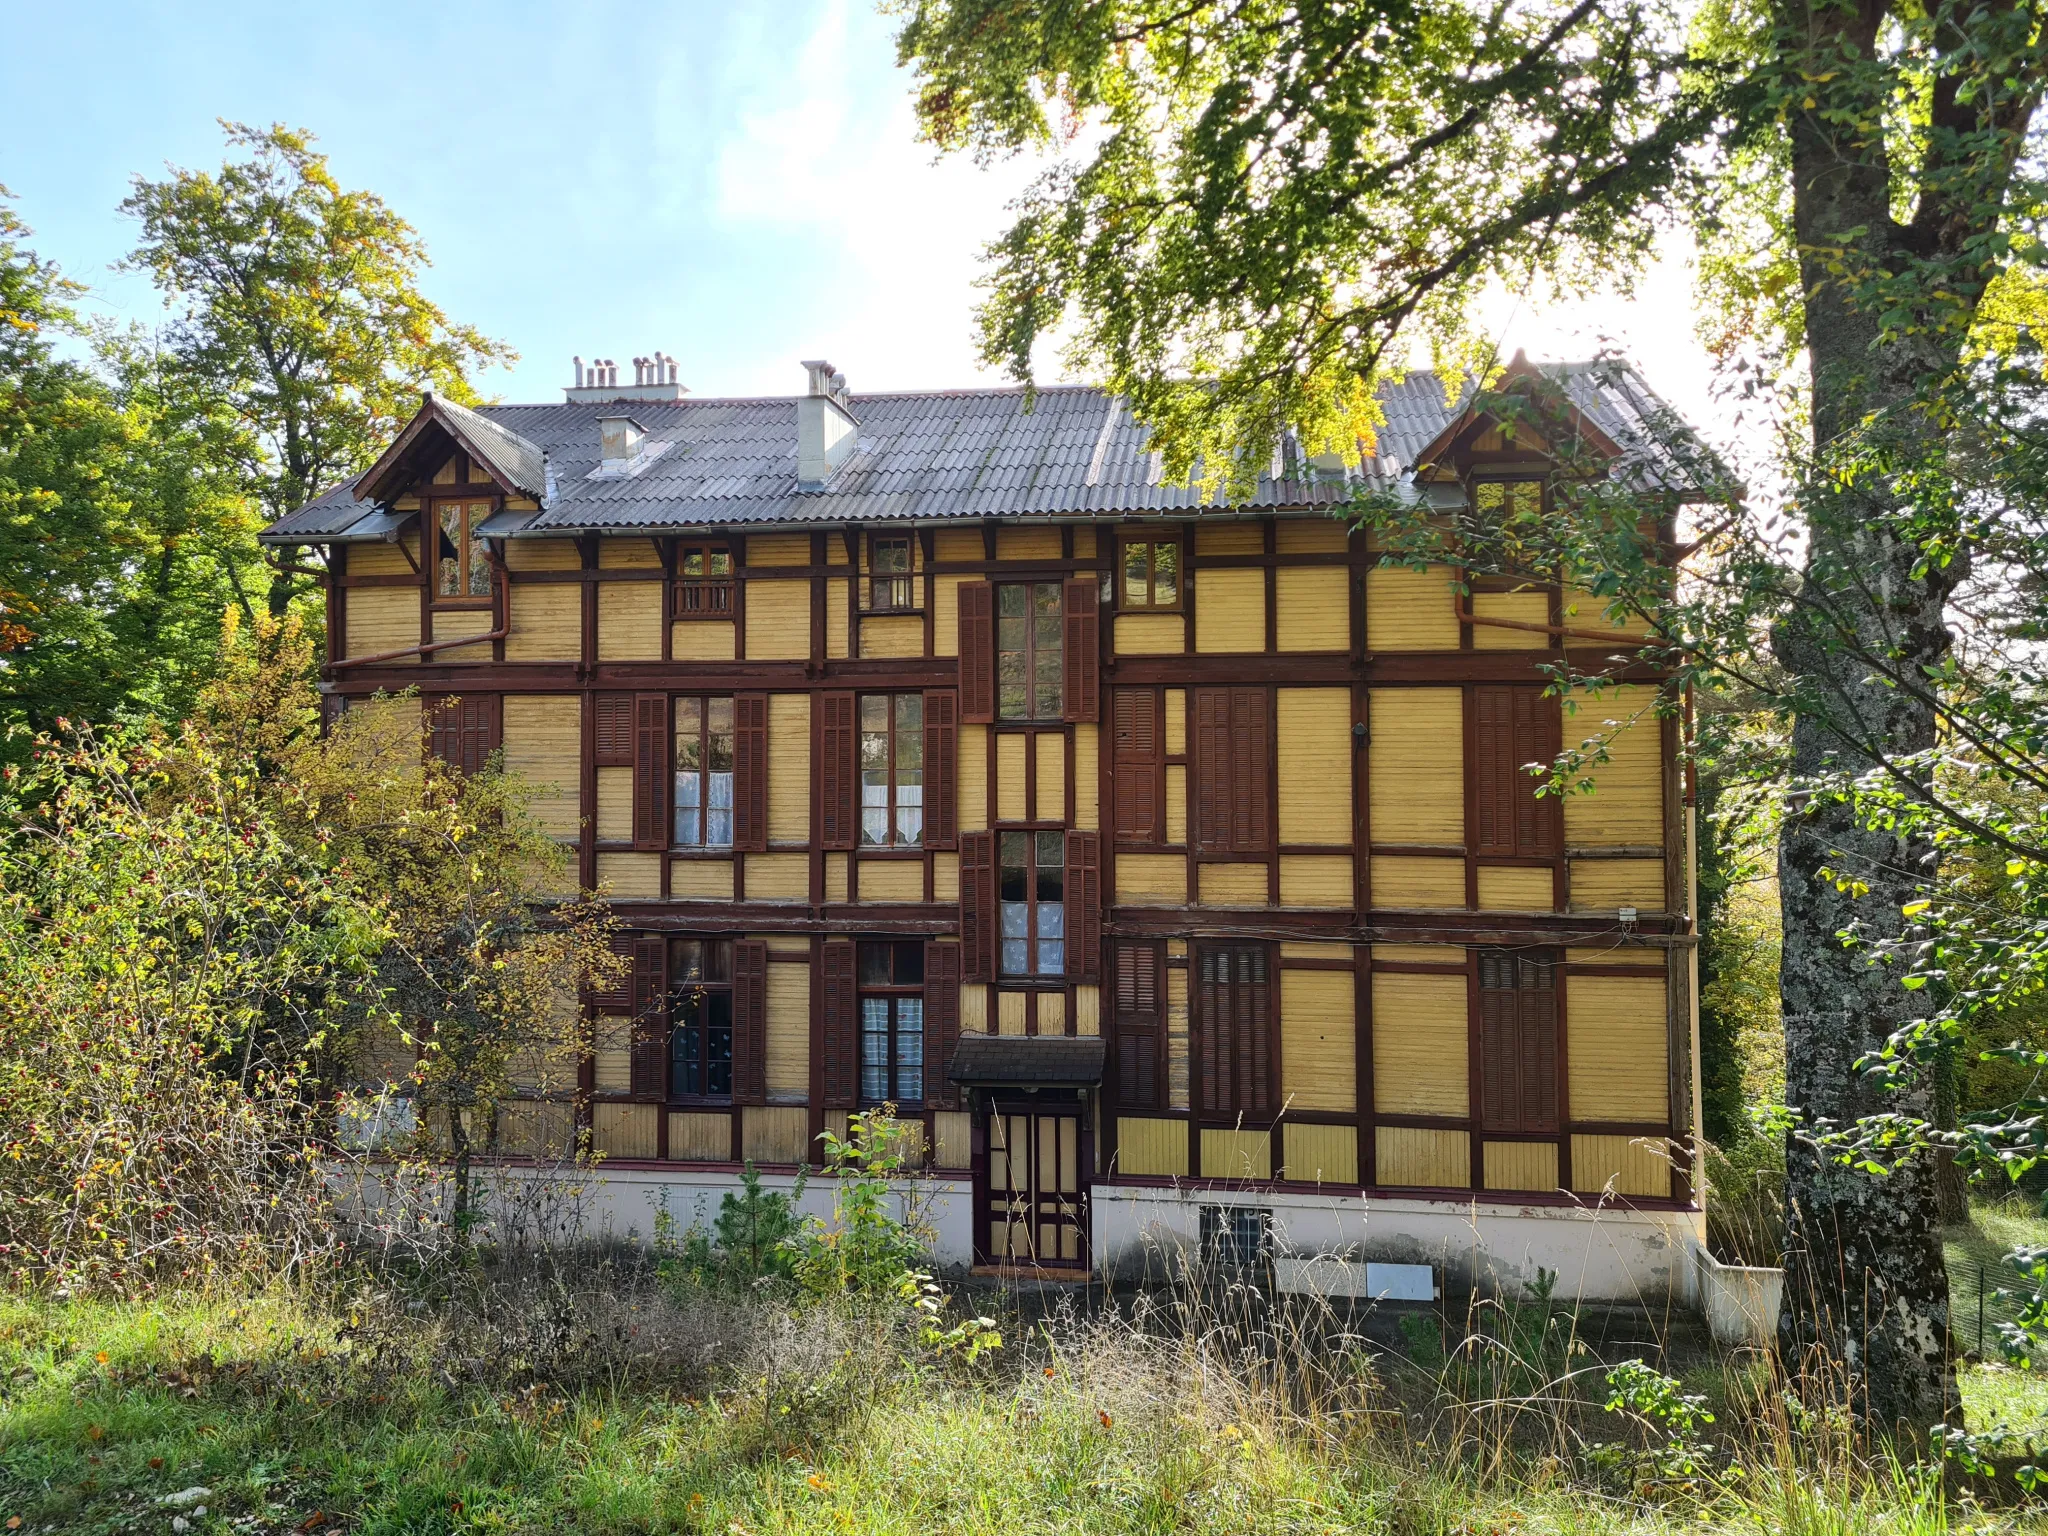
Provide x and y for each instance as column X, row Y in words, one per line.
column 1169, row 859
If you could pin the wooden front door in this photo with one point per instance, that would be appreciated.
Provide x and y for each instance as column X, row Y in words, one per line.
column 1035, row 1208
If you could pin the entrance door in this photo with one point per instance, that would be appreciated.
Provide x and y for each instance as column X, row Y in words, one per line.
column 1037, row 1213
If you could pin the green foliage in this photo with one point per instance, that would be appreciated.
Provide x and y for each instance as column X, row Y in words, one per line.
column 876, row 1236
column 1655, row 1401
column 752, row 1239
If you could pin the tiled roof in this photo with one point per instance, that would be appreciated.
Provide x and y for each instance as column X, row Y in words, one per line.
column 1073, row 452
column 1000, row 1060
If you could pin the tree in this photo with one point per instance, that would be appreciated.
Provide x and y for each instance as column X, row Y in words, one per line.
column 299, row 314
column 1270, row 197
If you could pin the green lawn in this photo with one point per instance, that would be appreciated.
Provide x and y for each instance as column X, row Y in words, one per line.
column 1993, row 1392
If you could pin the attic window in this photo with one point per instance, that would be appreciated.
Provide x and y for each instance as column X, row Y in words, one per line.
column 703, row 582
column 1504, row 522
column 462, row 565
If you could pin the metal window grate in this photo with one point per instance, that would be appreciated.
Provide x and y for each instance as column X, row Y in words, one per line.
column 1238, row 1236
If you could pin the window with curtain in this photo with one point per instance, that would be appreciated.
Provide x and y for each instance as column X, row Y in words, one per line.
column 892, row 770
column 703, row 773
column 1030, row 681
column 892, row 1023
column 700, row 1019
column 1031, row 903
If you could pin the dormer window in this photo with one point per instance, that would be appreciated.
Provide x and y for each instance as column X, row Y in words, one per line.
column 462, row 564
column 1505, row 513
column 703, row 581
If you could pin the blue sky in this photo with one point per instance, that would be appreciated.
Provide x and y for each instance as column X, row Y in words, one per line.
column 737, row 185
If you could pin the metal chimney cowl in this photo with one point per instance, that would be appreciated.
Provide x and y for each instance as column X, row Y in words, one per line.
column 827, row 432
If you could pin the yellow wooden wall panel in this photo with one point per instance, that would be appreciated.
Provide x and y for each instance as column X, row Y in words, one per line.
column 611, row 1051
column 1028, row 543
column 1176, row 804
column 946, row 877
column 1315, row 880
column 1507, row 889
column 1622, row 1165
column 460, row 624
column 1150, row 634
column 953, row 545
column 1319, row 1154
column 699, row 1136
column 1617, row 1048
column 1012, row 1012
column 1419, row 1036
column 1151, row 1148
column 544, row 747
column 1418, row 765
column 789, row 1030
column 614, row 805
column 536, row 1128
column 1582, row 610
column 1520, row 1165
column 383, row 736
column 779, row 549
column 630, row 876
column 892, row 880
column 1418, row 882
column 625, row 1130
column 837, row 879
column 899, row 635
column 773, row 1135
column 1604, row 885
column 1626, row 804
column 1318, row 1040
column 1010, row 802
column 539, row 555
column 952, row 1139
column 1087, row 1010
column 1304, row 949
column 1177, row 1074
column 1615, row 953
column 382, row 619
column 546, row 623
column 700, row 879
column 974, row 778
column 1410, row 1158
column 1176, row 722
column 1230, row 612
column 1408, row 610
column 778, row 877
column 1521, row 608
column 973, row 1008
column 1315, row 765
column 629, row 621
column 1231, row 885
column 778, row 620
column 837, row 598
column 704, row 640
column 1237, row 1154
column 381, row 559
column 789, row 767
column 625, row 552
column 1316, row 535
column 1232, row 538
column 1152, row 879
column 1313, row 608
column 946, row 615
column 1087, row 777
column 1052, row 1013
column 1051, row 748
column 1420, row 954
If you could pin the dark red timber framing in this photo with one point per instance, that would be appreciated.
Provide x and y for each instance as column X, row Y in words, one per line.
column 1192, row 997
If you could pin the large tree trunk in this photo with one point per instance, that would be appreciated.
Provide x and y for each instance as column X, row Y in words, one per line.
column 1866, row 1293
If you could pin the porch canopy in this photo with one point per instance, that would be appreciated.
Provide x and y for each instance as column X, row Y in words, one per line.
column 1027, row 1061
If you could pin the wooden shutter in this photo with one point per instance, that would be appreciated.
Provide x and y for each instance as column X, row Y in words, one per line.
column 1232, row 757
column 941, row 768
column 1083, row 901
column 750, row 773
column 1518, row 1043
column 615, row 730
column 618, row 997
column 1234, row 1010
column 463, row 731
column 650, row 770
column 978, row 906
column 977, row 651
column 941, row 1021
column 650, row 1017
column 838, row 771
column 1081, row 649
column 1512, row 726
column 1137, row 765
column 1137, row 1011
column 842, row 1027
column 749, row 1022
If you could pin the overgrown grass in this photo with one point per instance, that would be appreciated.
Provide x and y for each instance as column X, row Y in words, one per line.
column 506, row 1409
